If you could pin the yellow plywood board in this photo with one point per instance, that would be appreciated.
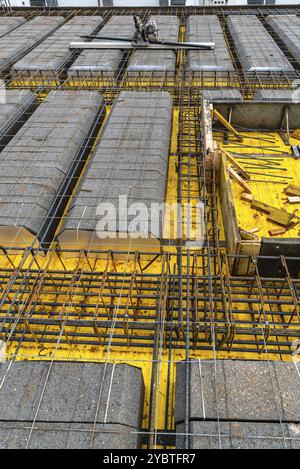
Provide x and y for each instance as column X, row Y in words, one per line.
column 270, row 192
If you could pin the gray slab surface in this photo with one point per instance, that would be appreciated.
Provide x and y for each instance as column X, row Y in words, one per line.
column 73, row 393
column 287, row 28
column 157, row 62
column 257, row 50
column 14, row 45
column 131, row 159
column 274, row 95
column 104, row 63
column 207, row 29
column 240, row 390
column 14, row 109
column 53, row 53
column 15, row 435
column 9, row 24
column 240, row 435
column 35, row 162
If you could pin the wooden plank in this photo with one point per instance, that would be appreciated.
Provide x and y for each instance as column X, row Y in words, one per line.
column 238, row 165
column 227, row 124
column 236, row 177
column 292, row 190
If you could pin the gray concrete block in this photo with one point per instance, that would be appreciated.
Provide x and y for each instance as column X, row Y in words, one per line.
column 74, row 392
column 274, row 95
column 287, row 27
column 131, row 159
column 157, row 62
column 240, row 390
column 257, row 50
column 207, row 29
column 223, row 94
column 14, row 111
column 240, row 435
column 14, row 45
column 53, row 53
column 16, row 435
column 8, row 24
column 104, row 63
column 36, row 161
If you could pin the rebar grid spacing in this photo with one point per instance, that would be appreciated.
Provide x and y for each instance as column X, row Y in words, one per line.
column 138, row 299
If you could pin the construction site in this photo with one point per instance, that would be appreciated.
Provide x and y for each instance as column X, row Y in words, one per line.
column 182, row 334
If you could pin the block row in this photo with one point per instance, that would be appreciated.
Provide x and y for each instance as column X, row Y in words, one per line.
column 39, row 162
column 104, row 64
column 70, row 405
column 53, row 53
column 208, row 29
column 8, row 24
column 239, row 404
column 257, row 50
column 18, row 42
column 130, row 161
column 287, row 28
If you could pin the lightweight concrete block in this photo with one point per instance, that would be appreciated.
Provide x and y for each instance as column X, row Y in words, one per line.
column 14, row 45
column 274, row 95
column 40, row 156
column 71, row 392
column 52, row 55
column 240, row 435
column 18, row 106
column 157, row 62
column 223, row 94
column 207, row 29
column 287, row 27
column 240, row 390
column 131, row 159
column 17, row 435
column 257, row 50
column 104, row 63
column 8, row 24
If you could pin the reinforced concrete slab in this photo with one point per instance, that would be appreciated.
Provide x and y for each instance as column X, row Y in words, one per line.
column 128, row 167
column 207, row 29
column 35, row 164
column 47, row 59
column 14, row 45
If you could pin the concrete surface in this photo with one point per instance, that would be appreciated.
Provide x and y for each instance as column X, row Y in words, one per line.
column 54, row 53
column 257, row 50
column 131, row 159
column 66, row 400
column 35, row 162
column 207, row 29
column 14, row 45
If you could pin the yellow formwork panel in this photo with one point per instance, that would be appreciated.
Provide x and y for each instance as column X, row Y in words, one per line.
column 271, row 189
